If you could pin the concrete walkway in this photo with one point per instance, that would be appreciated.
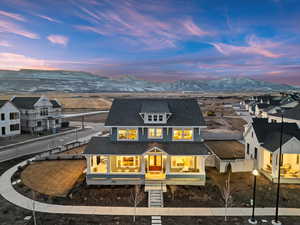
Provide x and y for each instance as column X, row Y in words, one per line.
column 10, row 194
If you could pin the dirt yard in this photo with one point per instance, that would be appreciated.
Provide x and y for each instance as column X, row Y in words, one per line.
column 99, row 118
column 241, row 189
column 194, row 220
column 53, row 178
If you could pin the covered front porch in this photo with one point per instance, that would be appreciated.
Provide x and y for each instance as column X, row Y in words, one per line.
column 154, row 165
column 289, row 167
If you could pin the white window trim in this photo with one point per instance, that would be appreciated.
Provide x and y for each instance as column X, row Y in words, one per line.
column 137, row 136
column 162, row 133
column 183, row 128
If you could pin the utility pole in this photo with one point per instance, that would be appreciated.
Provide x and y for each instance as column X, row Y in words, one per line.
column 276, row 222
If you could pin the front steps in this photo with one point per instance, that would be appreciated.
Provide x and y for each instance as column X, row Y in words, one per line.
column 155, row 198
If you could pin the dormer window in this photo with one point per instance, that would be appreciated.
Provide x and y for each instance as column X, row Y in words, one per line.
column 154, row 112
column 155, row 118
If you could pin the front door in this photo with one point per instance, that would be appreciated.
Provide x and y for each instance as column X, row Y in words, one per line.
column 3, row 131
column 155, row 163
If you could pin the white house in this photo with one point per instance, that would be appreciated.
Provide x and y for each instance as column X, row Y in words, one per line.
column 262, row 144
column 9, row 119
column 38, row 114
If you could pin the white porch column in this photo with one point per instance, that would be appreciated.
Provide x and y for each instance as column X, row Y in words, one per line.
column 88, row 164
column 202, row 163
column 168, row 164
column 275, row 161
column 108, row 164
column 142, row 164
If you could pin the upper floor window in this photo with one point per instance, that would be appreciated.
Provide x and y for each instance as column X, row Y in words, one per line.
column 14, row 116
column 14, row 127
column 182, row 134
column 44, row 112
column 155, row 117
column 127, row 134
column 2, row 116
column 155, row 133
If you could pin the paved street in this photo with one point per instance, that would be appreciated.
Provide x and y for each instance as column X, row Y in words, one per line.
column 42, row 145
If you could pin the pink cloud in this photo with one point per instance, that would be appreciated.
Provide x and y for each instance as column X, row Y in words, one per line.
column 48, row 18
column 255, row 47
column 58, row 39
column 130, row 22
column 5, row 44
column 193, row 29
column 13, row 61
column 9, row 27
column 12, row 15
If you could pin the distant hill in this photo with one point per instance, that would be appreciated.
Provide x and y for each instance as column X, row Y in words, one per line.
column 73, row 81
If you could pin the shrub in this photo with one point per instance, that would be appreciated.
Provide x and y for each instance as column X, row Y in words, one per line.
column 211, row 113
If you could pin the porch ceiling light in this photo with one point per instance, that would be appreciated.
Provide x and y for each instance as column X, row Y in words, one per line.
column 255, row 172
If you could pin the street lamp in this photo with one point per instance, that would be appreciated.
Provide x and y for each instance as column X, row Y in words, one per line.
column 252, row 220
column 276, row 221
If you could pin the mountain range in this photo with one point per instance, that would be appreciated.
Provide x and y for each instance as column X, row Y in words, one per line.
column 74, row 81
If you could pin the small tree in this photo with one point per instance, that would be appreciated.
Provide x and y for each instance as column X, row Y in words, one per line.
column 226, row 194
column 173, row 189
column 136, row 196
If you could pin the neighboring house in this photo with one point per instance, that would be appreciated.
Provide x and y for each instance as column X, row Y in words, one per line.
column 9, row 119
column 151, row 140
column 229, row 154
column 38, row 114
column 259, row 109
column 262, row 143
column 289, row 116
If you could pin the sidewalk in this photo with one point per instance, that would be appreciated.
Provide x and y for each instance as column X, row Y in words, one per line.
column 10, row 194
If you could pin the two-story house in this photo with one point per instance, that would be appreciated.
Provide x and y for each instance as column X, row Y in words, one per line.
column 262, row 144
column 150, row 140
column 9, row 119
column 38, row 114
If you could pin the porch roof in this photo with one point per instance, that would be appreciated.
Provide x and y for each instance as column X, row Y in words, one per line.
column 104, row 145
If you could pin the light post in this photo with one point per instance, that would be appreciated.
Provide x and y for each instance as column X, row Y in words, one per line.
column 252, row 220
column 276, row 221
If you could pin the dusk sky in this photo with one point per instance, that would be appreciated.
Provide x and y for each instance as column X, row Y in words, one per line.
column 154, row 39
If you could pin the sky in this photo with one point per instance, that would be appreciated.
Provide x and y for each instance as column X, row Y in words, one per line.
column 159, row 40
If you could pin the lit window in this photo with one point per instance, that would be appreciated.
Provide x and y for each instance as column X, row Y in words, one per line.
column 127, row 134
column 155, row 133
column 127, row 161
column 183, row 134
column 184, row 164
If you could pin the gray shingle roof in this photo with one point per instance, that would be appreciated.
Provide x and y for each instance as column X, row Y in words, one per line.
column 104, row 145
column 155, row 107
column 2, row 102
column 269, row 133
column 25, row 102
column 125, row 112
column 293, row 113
